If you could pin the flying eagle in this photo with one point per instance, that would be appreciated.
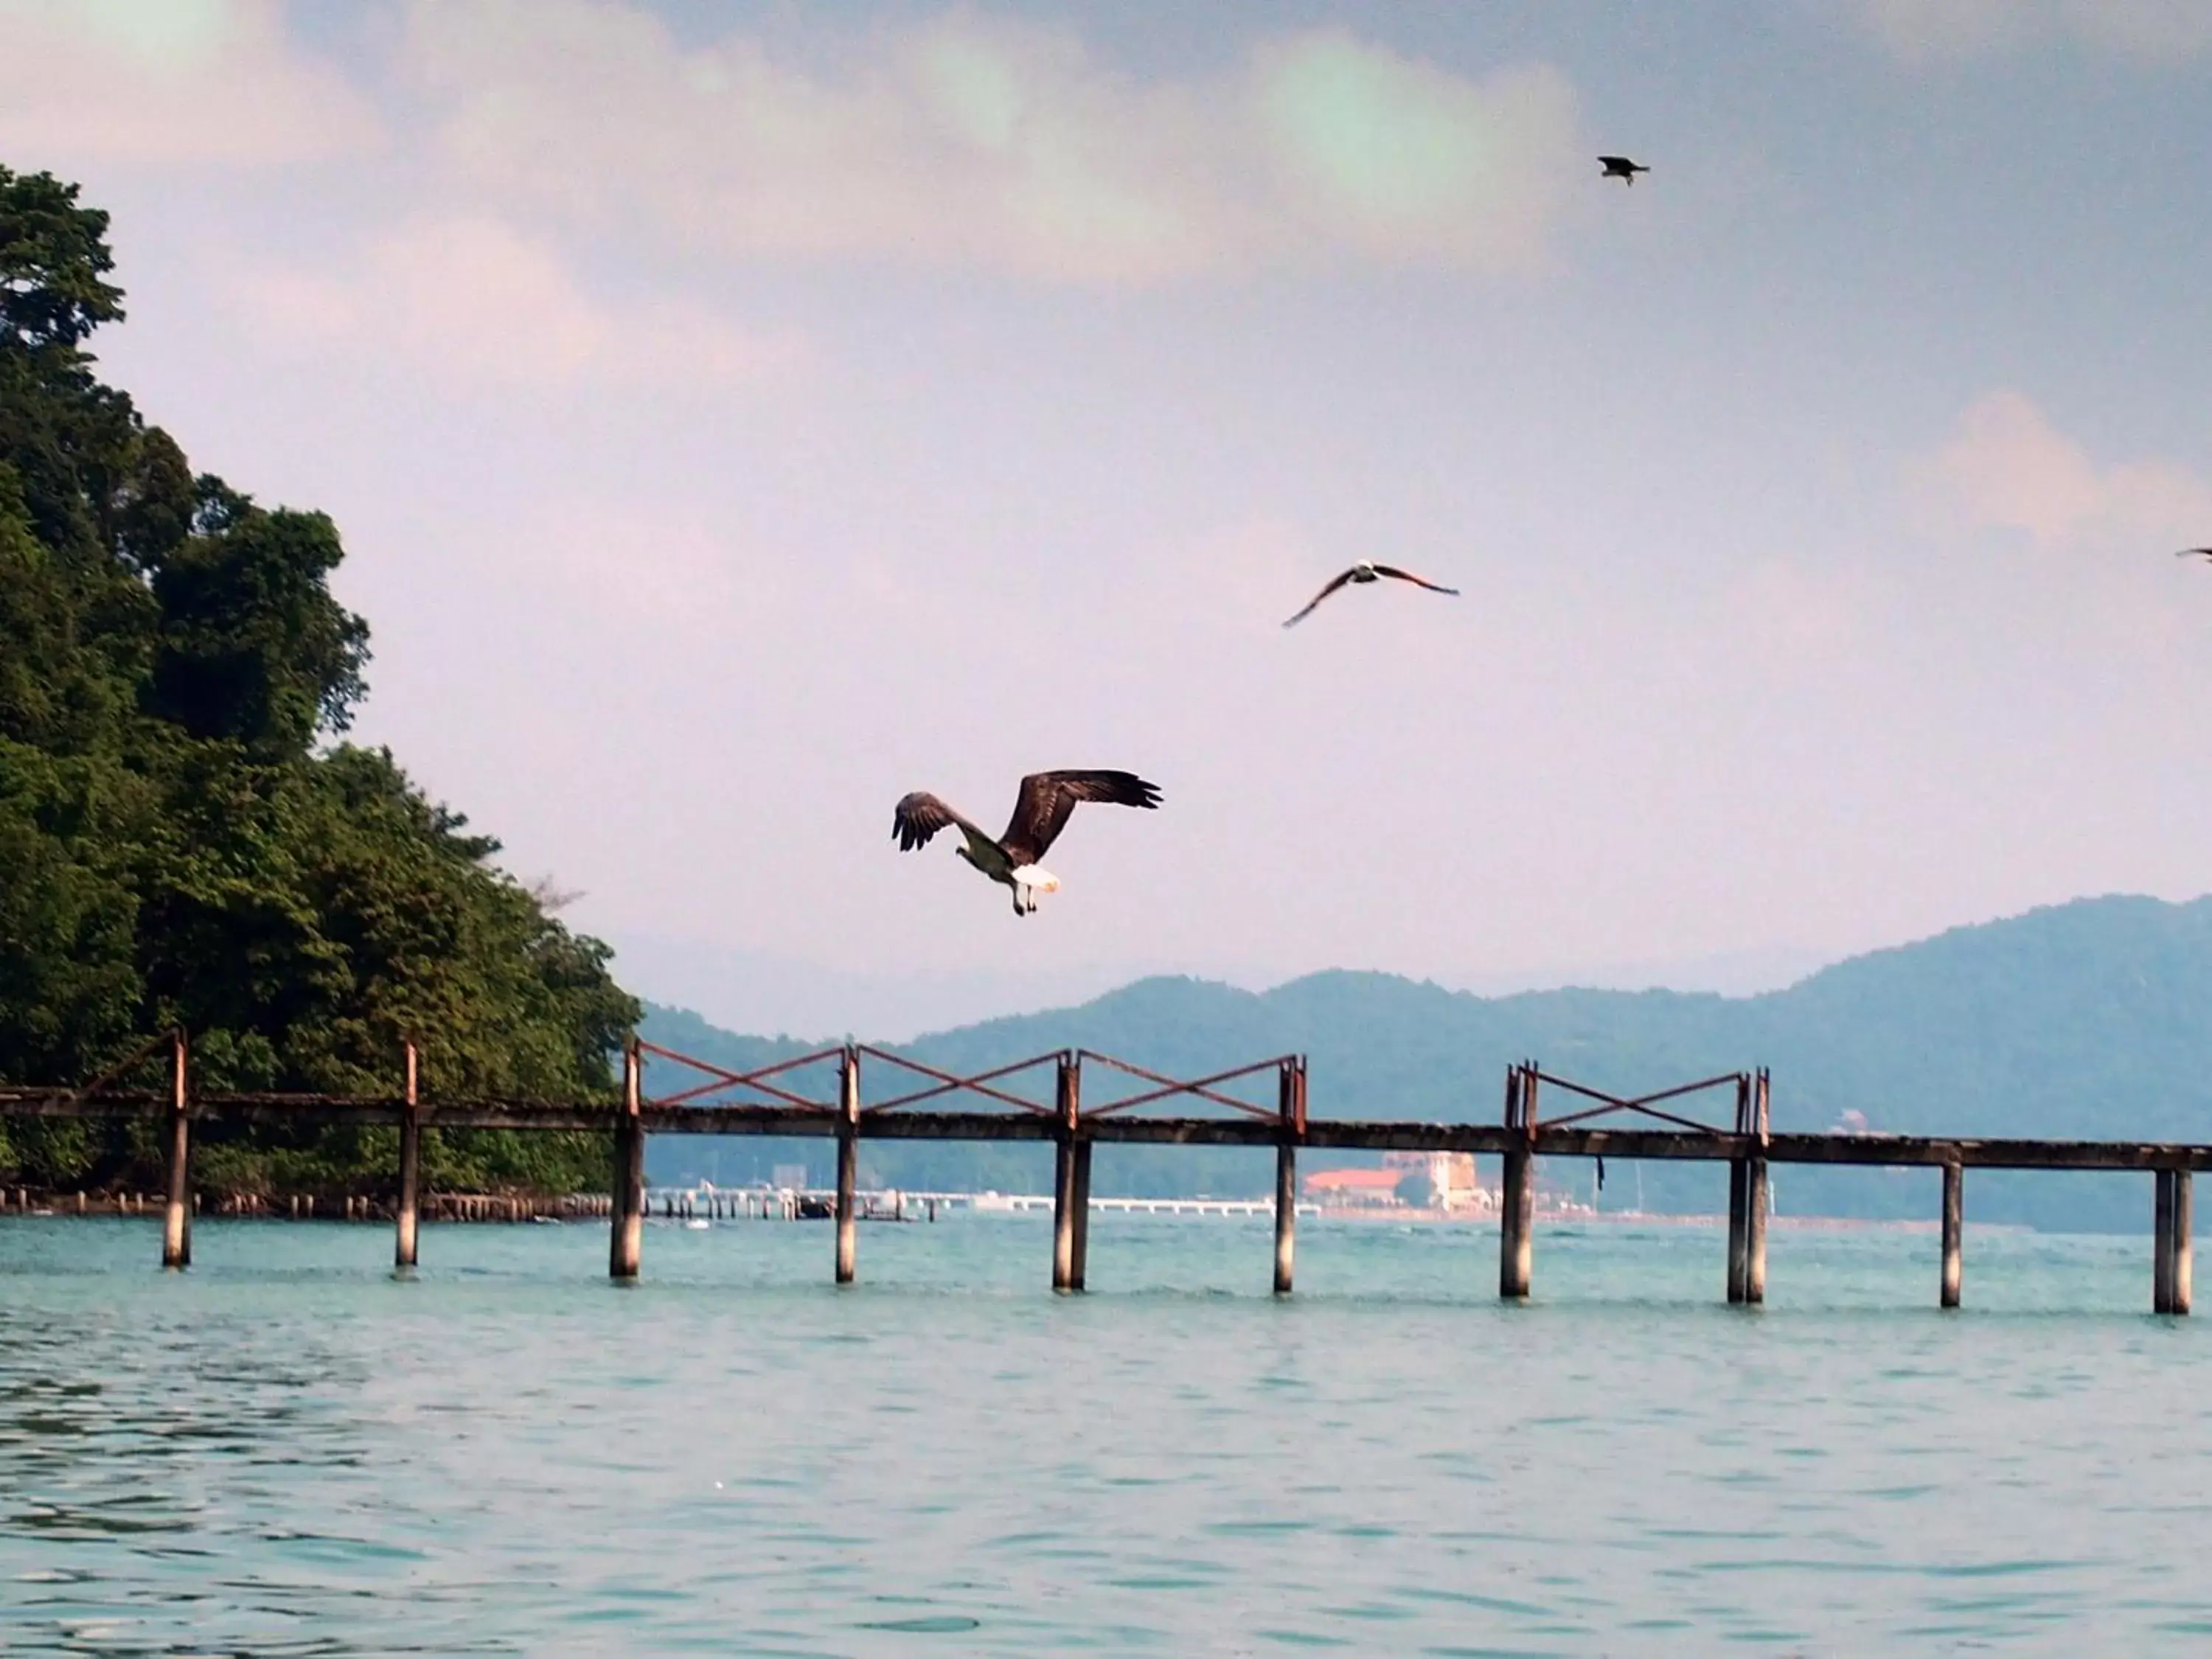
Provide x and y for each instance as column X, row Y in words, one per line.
column 1620, row 168
column 1361, row 574
column 1041, row 812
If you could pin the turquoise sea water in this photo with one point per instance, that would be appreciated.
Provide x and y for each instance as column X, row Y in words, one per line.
column 288, row 1451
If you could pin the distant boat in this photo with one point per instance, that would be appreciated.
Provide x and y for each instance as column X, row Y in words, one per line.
column 697, row 1224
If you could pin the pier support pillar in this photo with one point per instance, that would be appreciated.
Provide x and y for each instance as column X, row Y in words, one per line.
column 1292, row 1108
column 1079, row 1257
column 1954, row 1234
column 626, row 1243
column 1517, row 1227
column 848, row 1161
column 410, row 1166
column 1739, row 1205
column 1067, row 1105
column 2182, row 1275
column 1754, row 1232
column 2161, row 1242
column 1063, row 1215
column 176, row 1219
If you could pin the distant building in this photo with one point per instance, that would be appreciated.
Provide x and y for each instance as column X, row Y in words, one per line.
column 1450, row 1178
column 1371, row 1188
column 1452, row 1182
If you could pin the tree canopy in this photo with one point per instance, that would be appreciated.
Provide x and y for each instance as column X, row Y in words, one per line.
column 184, row 841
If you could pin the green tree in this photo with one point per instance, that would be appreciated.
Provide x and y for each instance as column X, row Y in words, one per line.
column 174, row 847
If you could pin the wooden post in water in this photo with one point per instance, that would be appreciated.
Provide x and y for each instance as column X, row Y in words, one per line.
column 1516, row 1212
column 411, row 1164
column 1739, row 1200
column 626, row 1244
column 1755, row 1201
column 2161, row 1242
column 177, row 1221
column 848, row 1156
column 2181, row 1276
column 1079, row 1258
column 1080, row 1255
column 1291, row 1086
column 1067, row 1102
column 1518, row 1200
column 1954, row 1232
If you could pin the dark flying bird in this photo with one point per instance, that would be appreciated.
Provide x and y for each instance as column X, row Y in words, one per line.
column 1361, row 574
column 1620, row 168
column 2194, row 553
column 1041, row 812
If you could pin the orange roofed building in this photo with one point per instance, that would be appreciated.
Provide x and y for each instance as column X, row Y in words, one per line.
column 1450, row 1179
column 1365, row 1187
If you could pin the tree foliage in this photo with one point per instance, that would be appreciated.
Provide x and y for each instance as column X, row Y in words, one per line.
column 181, row 844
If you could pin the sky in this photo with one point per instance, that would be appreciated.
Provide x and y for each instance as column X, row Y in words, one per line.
column 740, row 415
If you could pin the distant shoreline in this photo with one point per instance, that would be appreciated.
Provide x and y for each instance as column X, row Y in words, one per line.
column 1809, row 1224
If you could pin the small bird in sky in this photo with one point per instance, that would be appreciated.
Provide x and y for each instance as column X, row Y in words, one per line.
column 1620, row 168
column 1361, row 574
column 1041, row 809
column 2194, row 553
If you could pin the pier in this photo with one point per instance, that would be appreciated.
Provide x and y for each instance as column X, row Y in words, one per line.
column 1003, row 1104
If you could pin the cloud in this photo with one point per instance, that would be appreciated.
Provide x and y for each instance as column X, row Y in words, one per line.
column 171, row 83
column 477, row 297
column 2148, row 31
column 980, row 142
column 2006, row 466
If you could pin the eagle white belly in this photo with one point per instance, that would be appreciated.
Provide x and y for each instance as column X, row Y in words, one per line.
column 1036, row 876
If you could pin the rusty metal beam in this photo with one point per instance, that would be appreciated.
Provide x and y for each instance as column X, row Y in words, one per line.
column 1201, row 1087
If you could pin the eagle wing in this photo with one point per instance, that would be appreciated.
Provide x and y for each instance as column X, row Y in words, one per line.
column 1334, row 585
column 2194, row 553
column 1047, row 799
column 921, row 815
column 1418, row 581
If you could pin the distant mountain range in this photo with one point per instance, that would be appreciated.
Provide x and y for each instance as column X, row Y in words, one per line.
column 2092, row 1019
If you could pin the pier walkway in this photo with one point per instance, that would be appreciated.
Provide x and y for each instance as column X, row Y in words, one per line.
column 773, row 1101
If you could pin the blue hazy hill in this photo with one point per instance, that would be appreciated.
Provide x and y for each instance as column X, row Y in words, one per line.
column 2090, row 1019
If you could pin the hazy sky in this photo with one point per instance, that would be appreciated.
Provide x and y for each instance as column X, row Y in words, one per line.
column 740, row 415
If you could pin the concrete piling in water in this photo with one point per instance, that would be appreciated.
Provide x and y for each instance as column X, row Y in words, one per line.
column 2172, row 1254
column 626, row 1240
column 1755, row 1201
column 177, row 1218
column 1516, row 1197
column 1954, row 1233
column 1739, row 1205
column 1516, row 1217
column 1754, row 1232
column 2181, row 1276
column 410, row 1166
column 2161, row 1242
column 1290, row 1086
column 1739, row 1208
column 1067, row 1198
column 849, row 1157
column 1080, row 1256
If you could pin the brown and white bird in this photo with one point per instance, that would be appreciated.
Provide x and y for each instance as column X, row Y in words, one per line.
column 1041, row 812
column 1620, row 168
column 1360, row 575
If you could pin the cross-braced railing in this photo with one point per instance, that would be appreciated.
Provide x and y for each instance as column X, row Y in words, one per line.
column 1523, row 1083
column 943, row 1083
column 720, row 1078
column 1290, row 1105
